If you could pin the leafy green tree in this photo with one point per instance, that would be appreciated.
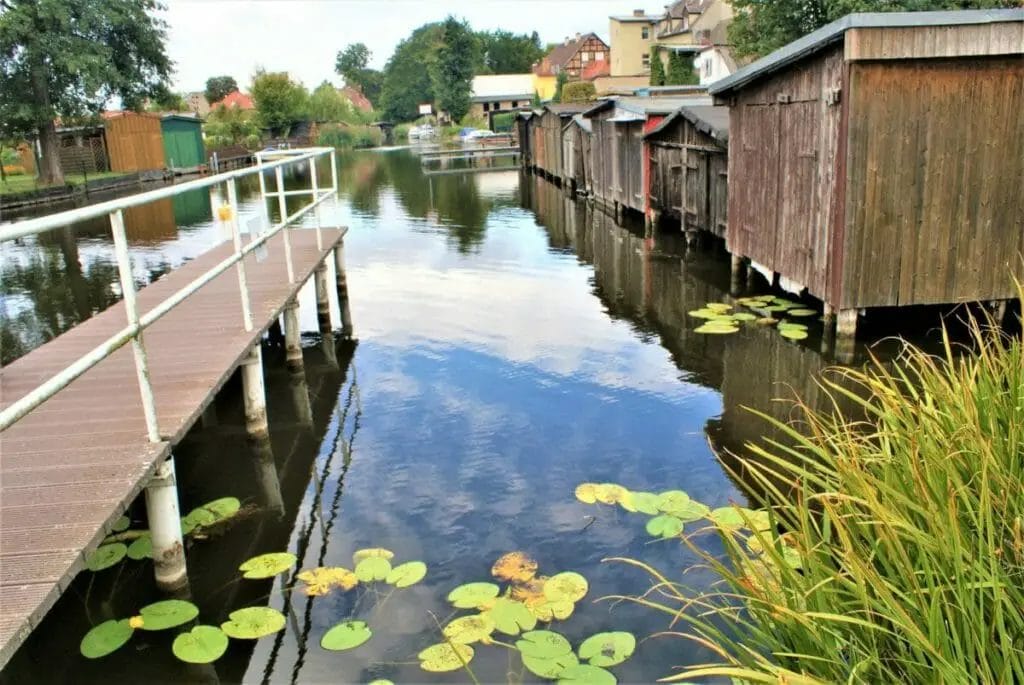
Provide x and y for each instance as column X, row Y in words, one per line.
column 761, row 26
column 579, row 91
column 231, row 126
column 327, row 104
column 407, row 81
column 680, row 70
column 560, row 82
column 67, row 58
column 536, row 102
column 166, row 100
column 352, row 64
column 280, row 102
column 452, row 71
column 657, row 69
column 218, row 88
column 503, row 52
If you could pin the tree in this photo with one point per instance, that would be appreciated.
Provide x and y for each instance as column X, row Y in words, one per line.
column 503, row 52
column 67, row 58
column 218, row 88
column 579, row 91
column 280, row 102
column 352, row 64
column 327, row 104
column 560, row 80
column 761, row 26
column 407, row 82
column 452, row 71
column 680, row 70
column 657, row 69
column 231, row 126
column 166, row 100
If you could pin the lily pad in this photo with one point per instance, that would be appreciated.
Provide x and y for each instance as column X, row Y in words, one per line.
column 381, row 681
column 704, row 313
column 197, row 518
column 122, row 524
column 553, row 610
column 511, row 617
column 672, row 501
column 608, row 649
column 346, row 635
column 718, row 306
column 372, row 552
column 469, row 629
column 714, row 328
column 767, row 321
column 515, row 567
column 568, row 586
column 201, row 645
column 321, row 580
column 373, row 568
column 543, row 644
column 664, row 526
column 729, row 518
column 445, row 657
column 549, row 668
column 169, row 613
column 609, row 493
column 800, row 312
column 267, row 565
column 585, row 674
column 252, row 623
column 587, row 493
column 693, row 511
column 473, row 595
column 105, row 638
column 643, row 502
column 530, row 592
column 141, row 548
column 793, row 333
column 105, row 556
column 759, row 519
column 744, row 316
column 409, row 573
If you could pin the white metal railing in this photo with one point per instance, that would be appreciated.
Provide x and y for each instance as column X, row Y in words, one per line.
column 137, row 323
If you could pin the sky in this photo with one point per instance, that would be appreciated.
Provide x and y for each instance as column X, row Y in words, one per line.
column 213, row 37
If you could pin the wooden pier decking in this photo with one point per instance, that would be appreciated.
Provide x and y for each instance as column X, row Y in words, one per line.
column 70, row 468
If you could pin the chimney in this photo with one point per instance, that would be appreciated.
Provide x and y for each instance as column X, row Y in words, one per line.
column 639, row 13
column 567, row 41
column 578, row 36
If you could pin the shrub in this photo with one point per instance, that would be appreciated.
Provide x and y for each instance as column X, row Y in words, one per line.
column 401, row 132
column 504, row 122
column 907, row 528
column 579, row 91
column 342, row 136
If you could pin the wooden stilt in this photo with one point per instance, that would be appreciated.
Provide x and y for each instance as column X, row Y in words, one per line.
column 323, row 302
column 165, row 528
column 691, row 238
column 300, row 397
column 342, row 287
column 266, row 472
column 737, row 279
column 292, row 336
column 254, row 394
column 846, row 335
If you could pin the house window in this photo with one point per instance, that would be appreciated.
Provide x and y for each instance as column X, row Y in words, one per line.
column 599, row 56
column 586, row 56
column 645, row 32
column 646, row 57
column 487, row 107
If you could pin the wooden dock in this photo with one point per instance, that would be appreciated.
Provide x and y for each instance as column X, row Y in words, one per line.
column 72, row 466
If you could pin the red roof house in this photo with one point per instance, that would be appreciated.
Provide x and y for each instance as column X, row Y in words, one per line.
column 356, row 97
column 235, row 99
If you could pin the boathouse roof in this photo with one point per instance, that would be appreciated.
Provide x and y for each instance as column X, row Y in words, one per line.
column 832, row 33
column 709, row 119
column 640, row 107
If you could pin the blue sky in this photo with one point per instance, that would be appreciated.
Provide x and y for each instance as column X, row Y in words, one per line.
column 302, row 37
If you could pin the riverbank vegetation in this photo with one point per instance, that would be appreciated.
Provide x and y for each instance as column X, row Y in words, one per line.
column 899, row 549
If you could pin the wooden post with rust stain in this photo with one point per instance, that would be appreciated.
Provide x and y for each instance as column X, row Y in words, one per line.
column 846, row 335
column 341, row 283
column 165, row 528
column 255, row 396
column 323, row 302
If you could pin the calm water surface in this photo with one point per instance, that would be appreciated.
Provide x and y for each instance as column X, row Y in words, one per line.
column 511, row 344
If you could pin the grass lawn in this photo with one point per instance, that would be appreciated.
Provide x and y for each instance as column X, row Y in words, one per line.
column 24, row 183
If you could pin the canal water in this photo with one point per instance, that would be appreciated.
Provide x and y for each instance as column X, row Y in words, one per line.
column 510, row 344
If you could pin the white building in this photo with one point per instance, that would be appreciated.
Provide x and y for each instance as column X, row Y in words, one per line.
column 712, row 63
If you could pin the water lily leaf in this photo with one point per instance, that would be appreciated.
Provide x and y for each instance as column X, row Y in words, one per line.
column 169, row 613
column 141, row 548
column 759, row 519
column 712, row 328
column 793, row 324
column 693, row 511
column 744, row 316
column 469, row 629
column 197, row 518
column 201, row 645
column 105, row 556
column 346, row 635
column 664, row 526
column 553, row 610
column 587, row 493
column 672, row 501
column 793, row 333
column 252, row 623
column 543, row 644
column 568, row 586
column 530, row 592
column 372, row 552
column 776, row 308
column 767, row 321
column 373, row 568
column 800, row 312
column 549, row 668
column 381, row 681
column 511, row 617
column 728, row 518
column 514, row 567
column 703, row 313
column 268, row 565
column 122, row 524
column 585, row 674
column 609, row 493
column 473, row 595
column 718, row 306
column 321, row 580
column 409, row 573
column 643, row 502
column 608, row 649
column 445, row 657
column 210, row 513
column 105, row 638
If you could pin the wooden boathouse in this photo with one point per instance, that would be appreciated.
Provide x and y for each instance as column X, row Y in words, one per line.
column 546, row 137
column 576, row 168
column 688, row 175
column 879, row 161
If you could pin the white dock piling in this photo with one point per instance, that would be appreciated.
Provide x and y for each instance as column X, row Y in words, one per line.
column 255, row 395
column 165, row 528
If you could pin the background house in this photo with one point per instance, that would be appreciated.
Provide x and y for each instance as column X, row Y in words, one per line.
column 237, row 99
column 198, row 103
column 500, row 93
column 573, row 56
column 632, row 36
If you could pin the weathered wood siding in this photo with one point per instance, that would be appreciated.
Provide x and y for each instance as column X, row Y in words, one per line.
column 135, row 142
column 783, row 134
column 935, row 181
column 548, row 143
column 603, row 155
column 523, row 129
column 629, row 168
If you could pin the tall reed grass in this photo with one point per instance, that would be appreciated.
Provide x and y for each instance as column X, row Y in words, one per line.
column 899, row 551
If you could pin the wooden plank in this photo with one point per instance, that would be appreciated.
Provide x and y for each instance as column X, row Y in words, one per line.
column 917, row 42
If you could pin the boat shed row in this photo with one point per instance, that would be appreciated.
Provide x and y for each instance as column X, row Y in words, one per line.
column 875, row 162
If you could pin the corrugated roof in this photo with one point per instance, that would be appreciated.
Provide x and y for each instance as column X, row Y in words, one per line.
column 567, row 108
column 832, row 33
column 583, row 122
column 710, row 119
column 658, row 106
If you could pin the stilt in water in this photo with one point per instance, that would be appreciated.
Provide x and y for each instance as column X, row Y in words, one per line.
column 846, row 335
column 737, row 280
column 262, row 453
column 323, row 302
column 342, row 287
column 254, row 394
column 292, row 336
column 828, row 335
column 165, row 528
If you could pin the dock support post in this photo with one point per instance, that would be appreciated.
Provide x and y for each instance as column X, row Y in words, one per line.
column 738, row 275
column 292, row 336
column 846, row 335
column 341, row 283
column 323, row 302
column 165, row 528
column 255, row 396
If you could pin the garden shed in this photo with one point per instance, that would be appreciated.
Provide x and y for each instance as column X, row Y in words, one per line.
column 134, row 141
column 879, row 160
column 183, row 142
column 689, row 159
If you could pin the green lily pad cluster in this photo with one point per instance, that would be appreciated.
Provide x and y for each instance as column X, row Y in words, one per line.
column 671, row 510
column 721, row 318
column 550, row 655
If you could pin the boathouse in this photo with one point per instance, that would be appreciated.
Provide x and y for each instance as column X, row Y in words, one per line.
column 688, row 178
column 618, row 157
column 524, row 132
column 576, row 153
column 546, row 137
column 879, row 160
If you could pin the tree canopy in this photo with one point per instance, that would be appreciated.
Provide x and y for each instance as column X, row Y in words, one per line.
column 218, row 87
column 67, row 58
column 407, row 82
column 657, row 68
column 503, row 52
column 680, row 70
column 352, row 64
column 452, row 71
column 280, row 102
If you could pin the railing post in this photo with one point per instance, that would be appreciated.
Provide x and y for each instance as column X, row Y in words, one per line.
column 323, row 302
column 263, row 188
column 334, row 173
column 316, row 196
column 236, row 237
column 124, row 269
column 279, row 174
